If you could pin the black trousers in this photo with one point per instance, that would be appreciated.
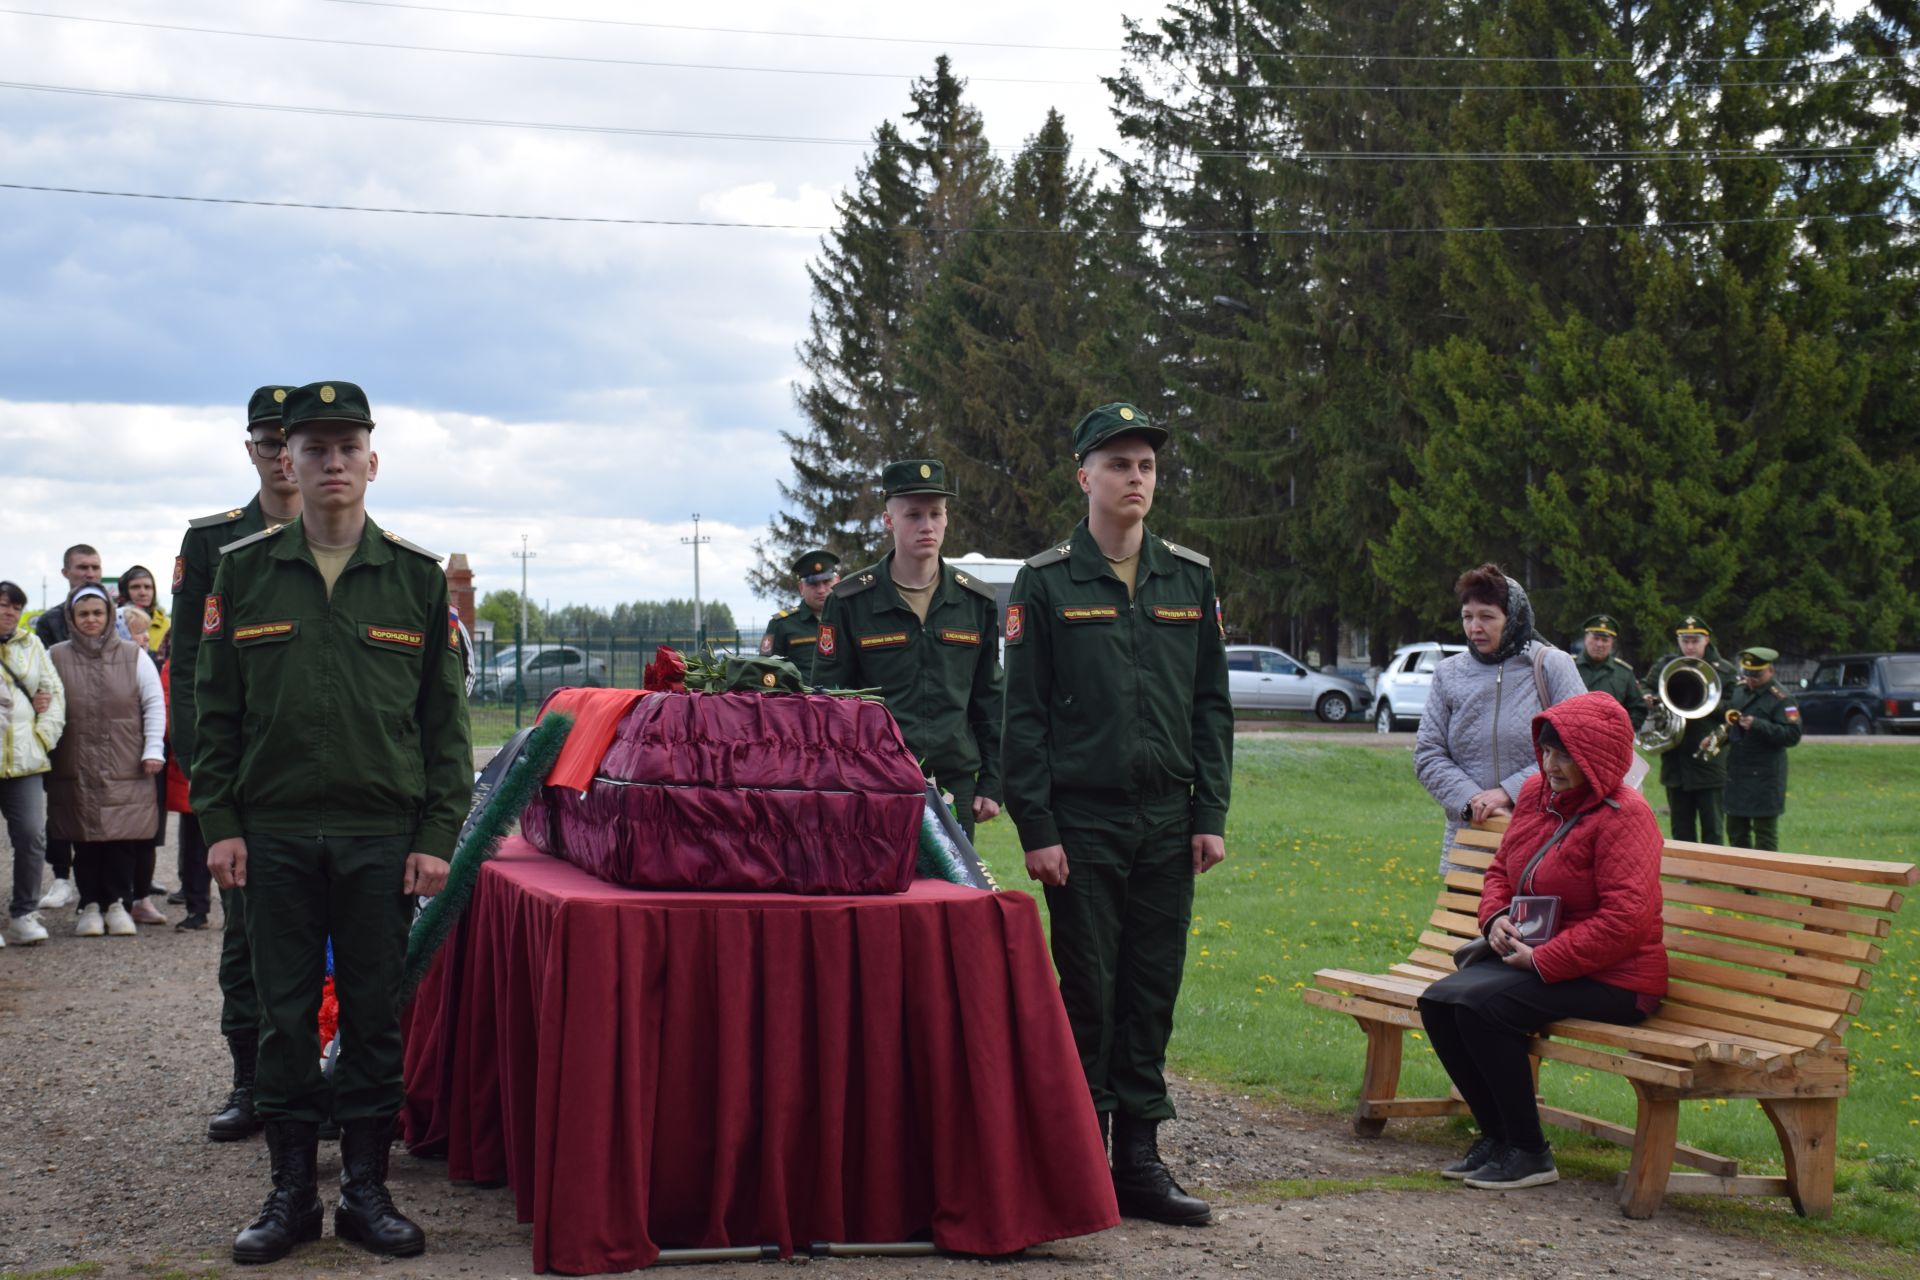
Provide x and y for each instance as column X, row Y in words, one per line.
column 191, row 864
column 104, row 871
column 1478, row 1021
column 60, row 858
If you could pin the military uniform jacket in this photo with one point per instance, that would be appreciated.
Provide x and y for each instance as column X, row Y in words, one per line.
column 792, row 634
column 1757, row 757
column 941, row 679
column 1115, row 706
column 1681, row 768
column 192, row 580
column 331, row 717
column 1615, row 677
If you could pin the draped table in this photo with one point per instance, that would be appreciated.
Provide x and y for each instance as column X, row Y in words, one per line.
column 651, row 1070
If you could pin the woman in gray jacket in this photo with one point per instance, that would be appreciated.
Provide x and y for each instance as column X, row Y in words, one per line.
column 1475, row 746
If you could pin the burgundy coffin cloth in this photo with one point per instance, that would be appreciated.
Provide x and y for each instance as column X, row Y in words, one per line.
column 654, row 1069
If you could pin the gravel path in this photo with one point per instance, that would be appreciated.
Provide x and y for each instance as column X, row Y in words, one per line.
column 110, row 1062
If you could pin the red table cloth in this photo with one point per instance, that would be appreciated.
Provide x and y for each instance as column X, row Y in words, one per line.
column 650, row 1070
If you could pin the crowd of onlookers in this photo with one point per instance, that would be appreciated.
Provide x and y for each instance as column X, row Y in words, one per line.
column 86, row 781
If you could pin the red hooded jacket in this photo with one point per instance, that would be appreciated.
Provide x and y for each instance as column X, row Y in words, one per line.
column 1606, row 871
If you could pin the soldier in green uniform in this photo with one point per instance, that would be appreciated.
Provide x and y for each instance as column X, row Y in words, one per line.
column 1606, row 671
column 1696, row 786
column 928, row 637
column 1119, row 761
column 1768, row 723
column 276, row 502
column 793, row 632
column 331, row 775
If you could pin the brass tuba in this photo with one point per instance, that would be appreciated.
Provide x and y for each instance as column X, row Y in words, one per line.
column 1687, row 689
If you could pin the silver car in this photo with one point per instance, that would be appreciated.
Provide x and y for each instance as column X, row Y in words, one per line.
column 1263, row 679
column 1400, row 694
column 542, row 668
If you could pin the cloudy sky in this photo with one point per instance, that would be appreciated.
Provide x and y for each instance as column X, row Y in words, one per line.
column 588, row 385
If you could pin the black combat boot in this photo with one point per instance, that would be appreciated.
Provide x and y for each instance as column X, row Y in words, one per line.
column 1106, row 1130
column 291, row 1214
column 1141, row 1181
column 366, row 1214
column 236, row 1120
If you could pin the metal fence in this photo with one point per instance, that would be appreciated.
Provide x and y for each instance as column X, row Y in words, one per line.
column 511, row 680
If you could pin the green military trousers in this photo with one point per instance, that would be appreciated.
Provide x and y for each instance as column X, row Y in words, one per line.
column 239, row 1006
column 1698, row 811
column 1120, row 946
column 302, row 890
column 1753, row 833
column 964, row 789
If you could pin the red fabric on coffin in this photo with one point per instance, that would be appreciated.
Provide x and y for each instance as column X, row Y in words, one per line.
column 650, row 1070
column 743, row 791
column 596, row 717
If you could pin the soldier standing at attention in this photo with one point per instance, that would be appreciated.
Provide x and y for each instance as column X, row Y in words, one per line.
column 1757, row 742
column 1696, row 788
column 1119, row 759
column 793, row 632
column 331, row 775
column 928, row 637
column 1605, row 671
column 275, row 503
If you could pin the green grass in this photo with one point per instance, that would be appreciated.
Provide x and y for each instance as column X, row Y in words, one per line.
column 56, row 1273
column 1331, row 862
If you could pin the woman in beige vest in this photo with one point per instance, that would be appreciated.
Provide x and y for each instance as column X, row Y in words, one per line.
column 100, row 791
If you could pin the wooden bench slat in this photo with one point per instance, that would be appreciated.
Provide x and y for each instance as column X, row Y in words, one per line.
column 1466, row 904
column 1466, row 881
column 1811, row 968
column 1666, row 1074
column 1825, row 1021
column 1779, row 908
column 1853, row 870
column 1775, row 986
column 1372, row 1011
column 1473, row 858
column 1729, row 1024
column 1594, row 1127
column 1385, row 987
column 1419, row 973
column 1464, row 926
column 1874, row 899
column 1768, row 1052
column 1842, row 946
column 1475, row 838
column 1682, row 1046
column 1446, row 942
column 1439, row 961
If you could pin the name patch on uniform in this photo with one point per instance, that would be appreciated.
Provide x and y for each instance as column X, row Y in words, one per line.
column 953, row 635
column 261, row 630
column 179, row 572
column 803, row 640
column 1090, row 612
column 826, row 639
column 397, row 635
column 884, row 640
column 766, row 644
column 1175, row 612
column 1016, row 623
column 210, row 617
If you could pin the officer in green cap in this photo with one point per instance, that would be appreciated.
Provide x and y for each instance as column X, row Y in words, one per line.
column 331, row 775
column 1119, row 760
column 275, row 501
column 928, row 637
column 793, row 632
column 1762, row 723
column 1605, row 671
column 1695, row 784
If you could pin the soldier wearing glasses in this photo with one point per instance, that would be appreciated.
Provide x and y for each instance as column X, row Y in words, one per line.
column 275, row 502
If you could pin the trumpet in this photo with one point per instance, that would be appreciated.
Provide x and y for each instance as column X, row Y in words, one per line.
column 1687, row 689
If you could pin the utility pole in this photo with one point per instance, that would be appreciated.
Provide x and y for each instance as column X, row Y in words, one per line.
column 699, row 631
column 520, row 644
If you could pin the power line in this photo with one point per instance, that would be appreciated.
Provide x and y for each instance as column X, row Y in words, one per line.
column 1154, row 230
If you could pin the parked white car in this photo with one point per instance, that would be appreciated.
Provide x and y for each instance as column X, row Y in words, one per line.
column 1400, row 694
column 1263, row 679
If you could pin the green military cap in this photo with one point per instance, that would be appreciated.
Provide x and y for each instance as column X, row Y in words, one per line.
column 263, row 406
column 1692, row 626
column 1604, row 624
column 326, row 402
column 1758, row 658
column 1111, row 421
column 816, row 566
column 761, row 675
column 916, row 475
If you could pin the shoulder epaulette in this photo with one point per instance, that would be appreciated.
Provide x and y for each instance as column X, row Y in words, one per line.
column 1052, row 555
column 783, row 615
column 219, row 517
column 856, row 584
column 1187, row 553
column 1622, row 662
column 1776, row 691
column 252, row 538
column 417, row 549
column 976, row 586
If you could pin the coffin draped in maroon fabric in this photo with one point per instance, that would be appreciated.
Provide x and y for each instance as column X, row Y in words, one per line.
column 649, row 1070
column 746, row 792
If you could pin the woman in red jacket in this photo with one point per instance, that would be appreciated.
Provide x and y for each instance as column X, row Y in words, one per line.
column 1581, row 836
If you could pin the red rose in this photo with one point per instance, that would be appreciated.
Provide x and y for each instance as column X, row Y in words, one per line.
column 667, row 673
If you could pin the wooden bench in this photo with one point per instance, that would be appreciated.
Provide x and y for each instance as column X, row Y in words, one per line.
column 1768, row 954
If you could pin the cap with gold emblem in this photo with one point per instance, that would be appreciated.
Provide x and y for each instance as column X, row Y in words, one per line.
column 916, row 475
column 816, row 566
column 1692, row 626
column 1110, row 422
column 1758, row 659
column 1603, row 623
column 326, row 402
column 263, row 406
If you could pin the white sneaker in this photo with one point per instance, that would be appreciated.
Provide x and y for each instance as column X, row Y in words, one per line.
column 145, row 912
column 89, row 925
column 119, row 923
column 63, row 894
column 26, row 930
